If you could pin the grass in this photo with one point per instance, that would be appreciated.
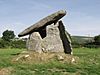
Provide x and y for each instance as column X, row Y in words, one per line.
column 89, row 64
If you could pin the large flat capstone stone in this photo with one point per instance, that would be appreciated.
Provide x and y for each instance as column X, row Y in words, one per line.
column 44, row 22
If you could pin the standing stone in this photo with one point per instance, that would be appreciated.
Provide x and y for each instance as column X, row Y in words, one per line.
column 66, row 40
column 52, row 42
column 34, row 42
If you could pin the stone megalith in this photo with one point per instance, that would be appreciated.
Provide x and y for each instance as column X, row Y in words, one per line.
column 44, row 22
column 48, row 35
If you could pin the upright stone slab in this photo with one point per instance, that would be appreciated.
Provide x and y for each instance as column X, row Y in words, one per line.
column 52, row 42
column 34, row 42
column 66, row 39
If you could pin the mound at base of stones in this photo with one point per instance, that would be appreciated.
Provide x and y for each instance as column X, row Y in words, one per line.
column 35, row 57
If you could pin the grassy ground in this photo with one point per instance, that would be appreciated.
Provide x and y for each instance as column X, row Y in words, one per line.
column 89, row 64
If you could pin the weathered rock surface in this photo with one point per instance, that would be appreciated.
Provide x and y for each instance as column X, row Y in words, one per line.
column 34, row 42
column 44, row 22
column 66, row 40
column 52, row 42
column 56, row 40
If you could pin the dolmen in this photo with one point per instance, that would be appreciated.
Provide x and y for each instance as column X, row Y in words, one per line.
column 48, row 35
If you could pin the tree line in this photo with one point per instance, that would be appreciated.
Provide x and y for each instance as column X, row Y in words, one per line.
column 9, row 40
column 90, row 42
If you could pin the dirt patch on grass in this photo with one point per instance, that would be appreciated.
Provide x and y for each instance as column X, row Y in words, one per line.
column 6, row 71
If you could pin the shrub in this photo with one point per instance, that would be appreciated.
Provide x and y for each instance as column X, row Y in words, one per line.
column 19, row 44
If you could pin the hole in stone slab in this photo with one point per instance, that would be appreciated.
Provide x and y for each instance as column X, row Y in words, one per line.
column 42, row 32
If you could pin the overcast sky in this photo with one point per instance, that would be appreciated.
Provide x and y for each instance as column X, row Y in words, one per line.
column 83, row 16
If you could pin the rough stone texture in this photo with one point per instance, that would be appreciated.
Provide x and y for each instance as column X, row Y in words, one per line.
column 44, row 22
column 52, row 42
column 34, row 42
column 56, row 40
column 66, row 40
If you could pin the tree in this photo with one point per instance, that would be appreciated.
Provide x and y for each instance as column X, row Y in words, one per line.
column 97, row 39
column 19, row 44
column 8, row 35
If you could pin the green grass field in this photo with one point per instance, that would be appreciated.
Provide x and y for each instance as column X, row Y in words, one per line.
column 88, row 64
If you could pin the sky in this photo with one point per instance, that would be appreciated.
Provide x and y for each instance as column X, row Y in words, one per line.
column 82, row 19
